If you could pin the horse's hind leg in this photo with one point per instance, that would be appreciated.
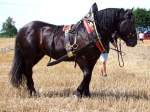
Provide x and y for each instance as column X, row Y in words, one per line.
column 28, row 73
column 29, row 63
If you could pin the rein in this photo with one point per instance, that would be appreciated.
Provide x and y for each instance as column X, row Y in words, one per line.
column 119, row 54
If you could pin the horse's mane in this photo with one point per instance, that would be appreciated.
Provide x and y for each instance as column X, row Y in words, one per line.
column 107, row 18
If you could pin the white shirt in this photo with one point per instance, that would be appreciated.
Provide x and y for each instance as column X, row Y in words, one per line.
column 141, row 35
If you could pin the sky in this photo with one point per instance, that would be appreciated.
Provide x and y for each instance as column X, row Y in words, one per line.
column 58, row 11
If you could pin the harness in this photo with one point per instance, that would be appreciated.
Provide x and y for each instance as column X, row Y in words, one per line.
column 69, row 31
column 72, row 51
column 90, row 26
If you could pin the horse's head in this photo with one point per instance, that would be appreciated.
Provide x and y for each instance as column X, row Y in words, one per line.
column 126, row 27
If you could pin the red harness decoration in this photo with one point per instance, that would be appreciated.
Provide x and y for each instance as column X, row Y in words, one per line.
column 89, row 29
column 100, row 46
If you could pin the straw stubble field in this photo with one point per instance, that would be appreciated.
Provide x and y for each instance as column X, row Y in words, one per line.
column 124, row 90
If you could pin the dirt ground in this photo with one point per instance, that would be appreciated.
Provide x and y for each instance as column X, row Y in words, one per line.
column 125, row 89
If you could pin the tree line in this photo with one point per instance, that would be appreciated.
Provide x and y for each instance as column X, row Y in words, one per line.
column 8, row 28
column 142, row 19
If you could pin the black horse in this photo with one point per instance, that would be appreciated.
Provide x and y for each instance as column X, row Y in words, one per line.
column 37, row 39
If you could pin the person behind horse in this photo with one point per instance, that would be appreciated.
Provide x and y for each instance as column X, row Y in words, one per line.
column 104, row 56
column 141, row 36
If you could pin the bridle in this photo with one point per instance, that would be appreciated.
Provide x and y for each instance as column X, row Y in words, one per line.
column 118, row 38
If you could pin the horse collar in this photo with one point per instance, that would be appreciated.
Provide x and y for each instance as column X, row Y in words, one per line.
column 90, row 28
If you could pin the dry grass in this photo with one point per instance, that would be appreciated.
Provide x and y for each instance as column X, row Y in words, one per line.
column 124, row 90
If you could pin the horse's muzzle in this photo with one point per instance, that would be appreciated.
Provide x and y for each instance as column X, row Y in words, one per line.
column 131, row 43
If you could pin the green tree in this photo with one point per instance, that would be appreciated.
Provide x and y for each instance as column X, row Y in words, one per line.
column 8, row 27
column 142, row 17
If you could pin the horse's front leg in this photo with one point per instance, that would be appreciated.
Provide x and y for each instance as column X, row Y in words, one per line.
column 83, row 88
column 87, row 69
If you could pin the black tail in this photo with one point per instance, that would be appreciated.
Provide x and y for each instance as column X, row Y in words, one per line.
column 16, row 73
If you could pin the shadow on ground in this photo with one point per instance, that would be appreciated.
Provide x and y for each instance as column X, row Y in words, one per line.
column 104, row 94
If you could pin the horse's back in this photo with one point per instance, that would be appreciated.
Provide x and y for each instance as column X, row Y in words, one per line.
column 33, row 29
column 37, row 24
column 37, row 36
column 29, row 36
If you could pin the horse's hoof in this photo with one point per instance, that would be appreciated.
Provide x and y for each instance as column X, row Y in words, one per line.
column 87, row 94
column 37, row 94
column 33, row 93
column 77, row 95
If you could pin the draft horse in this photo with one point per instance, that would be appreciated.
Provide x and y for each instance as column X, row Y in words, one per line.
column 36, row 39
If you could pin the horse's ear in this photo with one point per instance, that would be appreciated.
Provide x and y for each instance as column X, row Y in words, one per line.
column 132, row 9
column 94, row 7
column 128, row 13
